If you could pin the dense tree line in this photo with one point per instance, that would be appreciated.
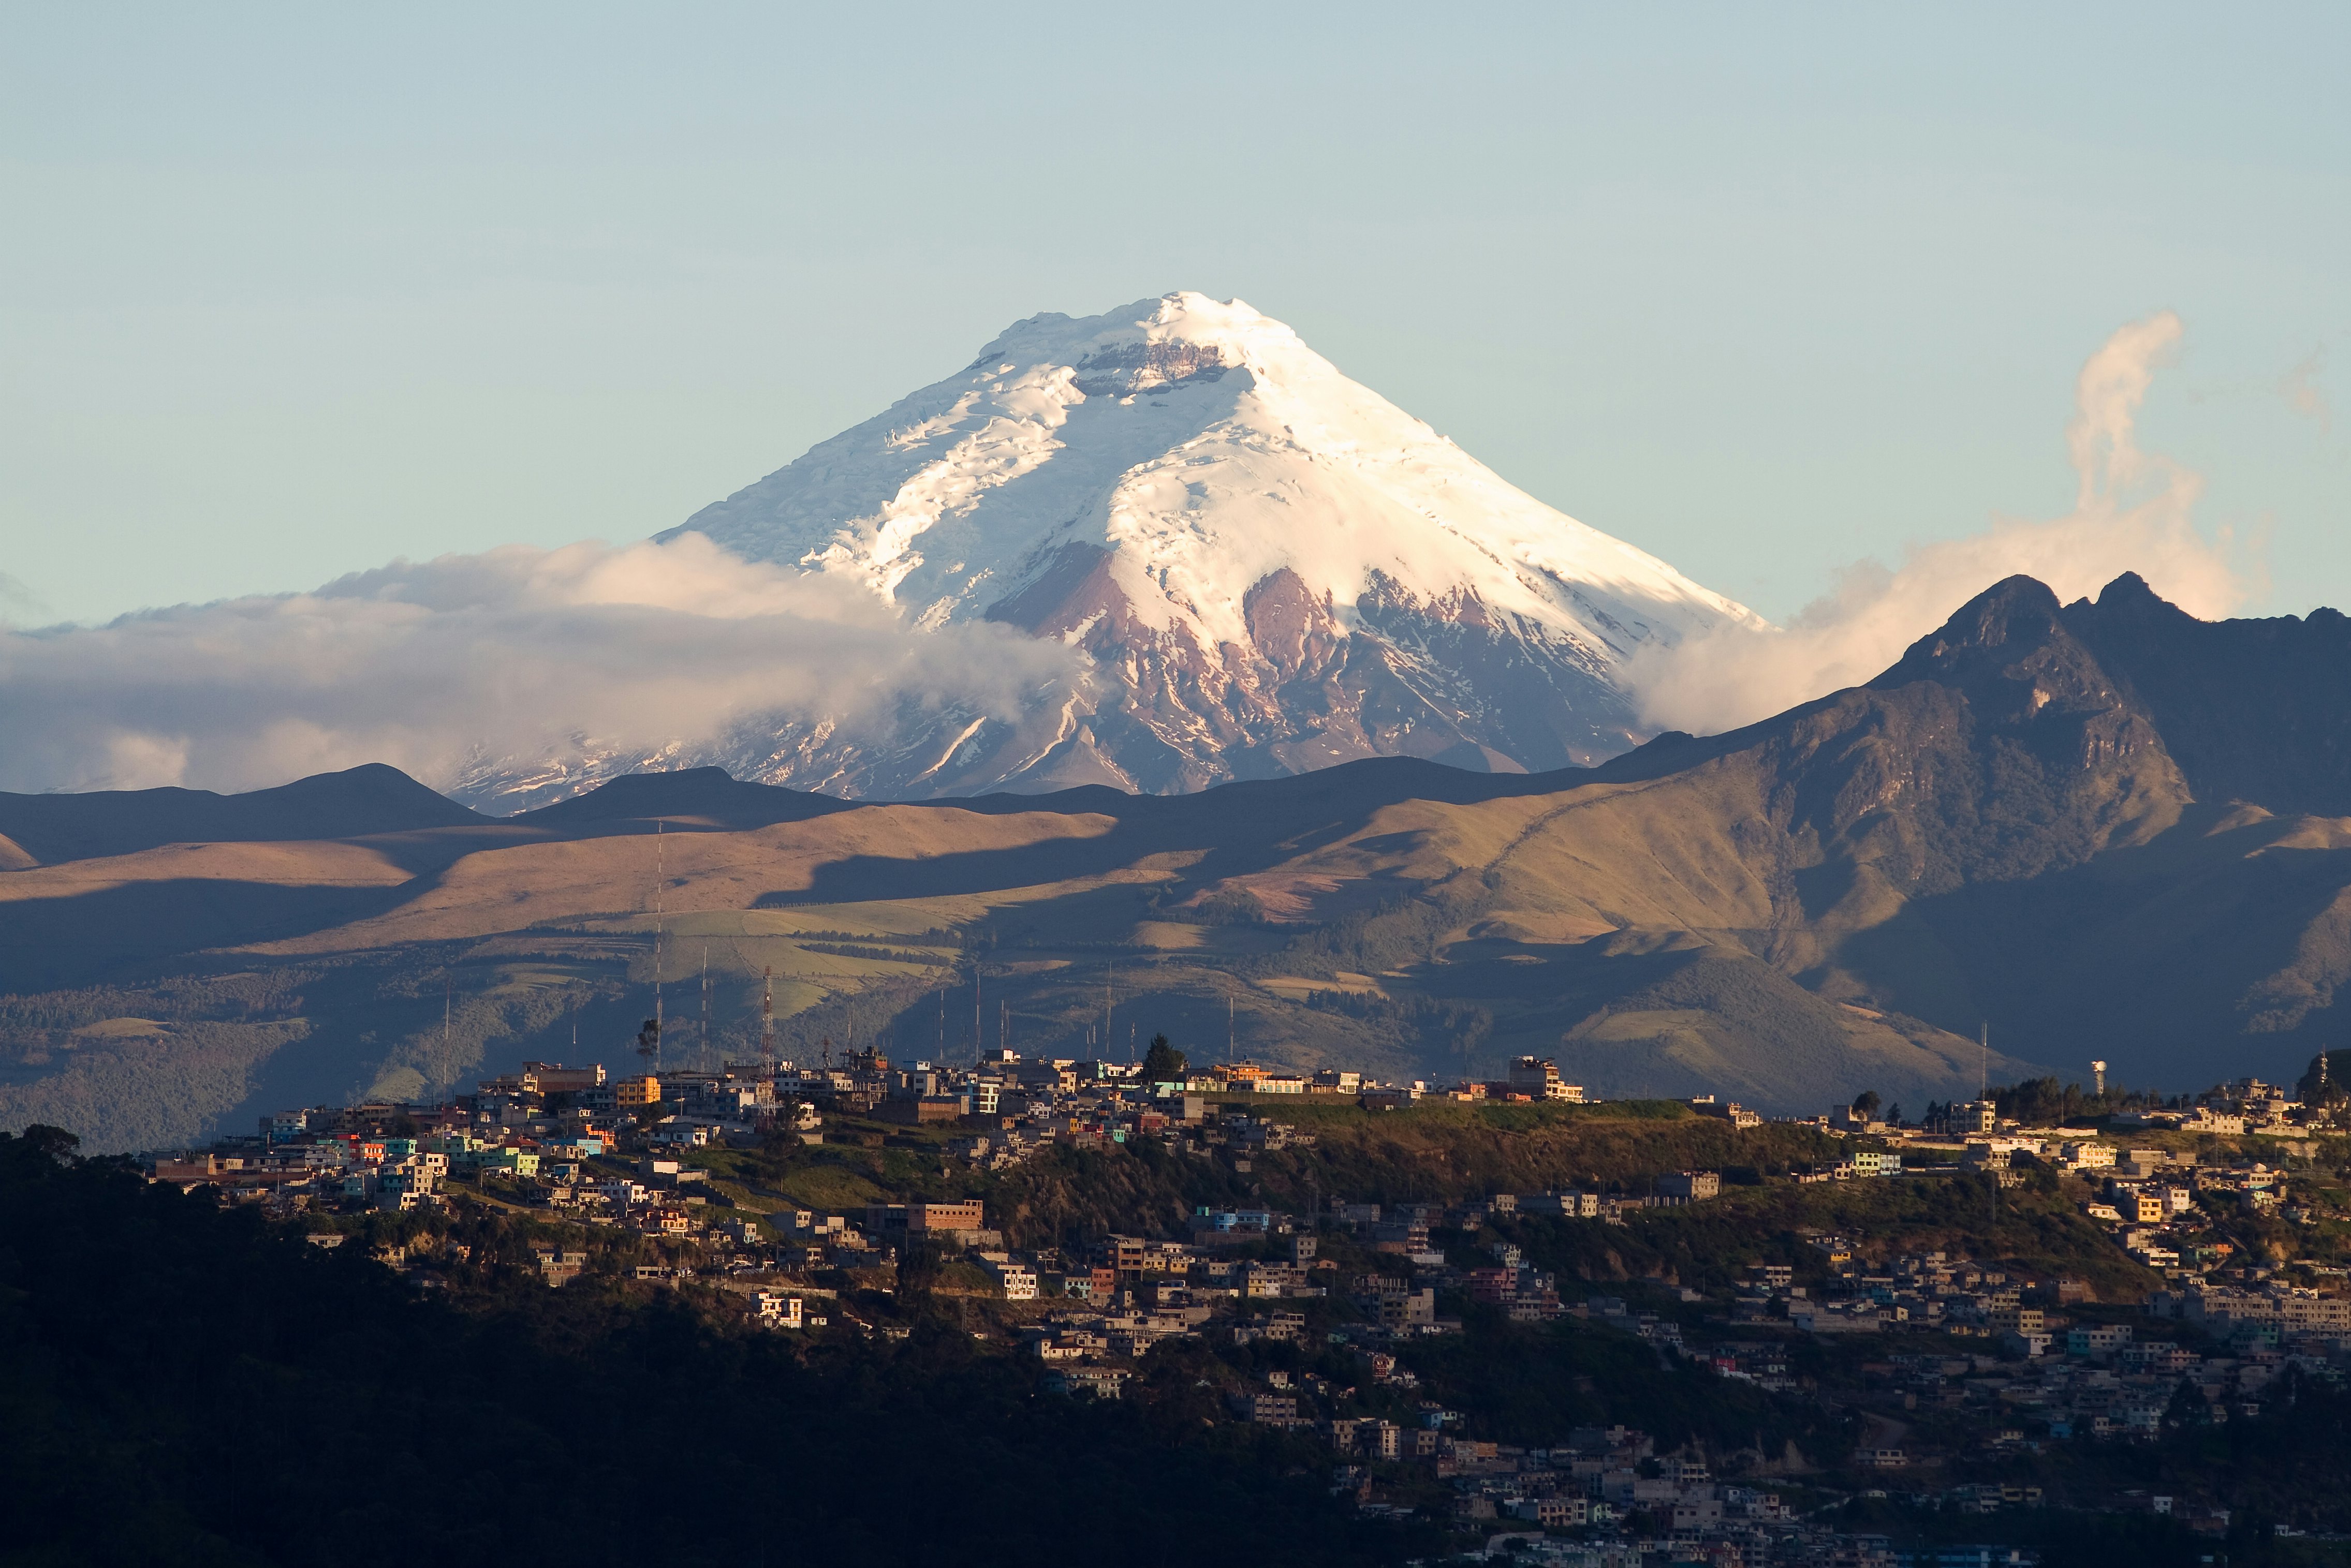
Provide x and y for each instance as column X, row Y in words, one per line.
column 188, row 1385
column 2045, row 1102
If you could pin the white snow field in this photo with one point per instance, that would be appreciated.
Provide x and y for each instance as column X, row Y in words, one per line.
column 1260, row 566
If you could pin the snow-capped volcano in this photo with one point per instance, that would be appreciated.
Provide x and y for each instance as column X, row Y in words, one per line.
column 1269, row 566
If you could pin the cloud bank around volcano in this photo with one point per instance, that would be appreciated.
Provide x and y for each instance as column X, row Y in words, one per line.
column 526, row 650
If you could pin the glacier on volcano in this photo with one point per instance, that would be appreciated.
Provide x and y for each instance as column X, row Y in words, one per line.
column 1263, row 568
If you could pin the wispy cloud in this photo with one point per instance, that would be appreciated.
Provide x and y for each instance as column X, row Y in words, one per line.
column 422, row 665
column 19, row 604
column 2299, row 389
column 2133, row 512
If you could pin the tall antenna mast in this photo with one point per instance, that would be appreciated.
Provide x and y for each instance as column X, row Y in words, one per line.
column 705, row 1003
column 943, row 1023
column 1230, row 1028
column 1983, row 1075
column 767, row 1026
column 448, row 990
column 659, row 875
column 1109, row 979
column 978, row 1034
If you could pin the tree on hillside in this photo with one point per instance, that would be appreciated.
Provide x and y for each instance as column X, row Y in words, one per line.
column 2322, row 1084
column 59, row 1145
column 1162, row 1063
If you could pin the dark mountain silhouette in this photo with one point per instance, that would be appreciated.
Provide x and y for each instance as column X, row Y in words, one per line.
column 2101, row 830
column 372, row 798
column 2251, row 710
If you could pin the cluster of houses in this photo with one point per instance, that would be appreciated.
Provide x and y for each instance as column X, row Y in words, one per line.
column 1629, row 1507
column 2160, row 1200
column 1926, row 1291
column 618, row 1151
column 2105, row 1380
column 2043, row 1376
column 546, row 1128
column 622, row 1151
column 558, row 1132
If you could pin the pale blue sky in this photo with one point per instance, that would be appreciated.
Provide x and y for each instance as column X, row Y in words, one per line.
column 288, row 291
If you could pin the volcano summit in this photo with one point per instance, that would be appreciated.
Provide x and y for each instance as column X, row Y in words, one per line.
column 1262, row 568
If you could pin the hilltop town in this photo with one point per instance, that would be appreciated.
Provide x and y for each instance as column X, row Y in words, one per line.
column 1928, row 1309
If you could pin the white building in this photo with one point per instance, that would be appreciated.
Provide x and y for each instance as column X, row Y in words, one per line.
column 774, row 1310
column 1018, row 1281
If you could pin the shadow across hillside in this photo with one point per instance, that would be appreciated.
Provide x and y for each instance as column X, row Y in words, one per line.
column 47, row 944
column 689, row 799
column 2149, row 955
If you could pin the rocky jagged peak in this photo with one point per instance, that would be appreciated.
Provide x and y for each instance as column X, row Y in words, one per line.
column 2010, row 650
column 2130, row 594
column 2253, row 710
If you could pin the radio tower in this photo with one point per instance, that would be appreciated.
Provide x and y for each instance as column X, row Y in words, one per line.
column 767, row 1023
column 705, row 1003
column 658, row 876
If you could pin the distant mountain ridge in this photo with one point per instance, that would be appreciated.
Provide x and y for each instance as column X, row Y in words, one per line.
column 369, row 798
column 2098, row 830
